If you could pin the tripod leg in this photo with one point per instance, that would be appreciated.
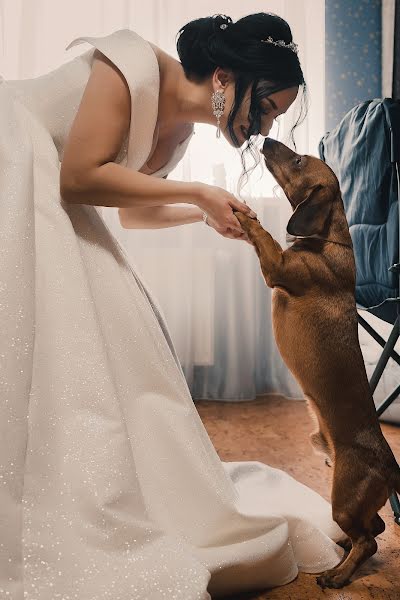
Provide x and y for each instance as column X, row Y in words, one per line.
column 395, row 504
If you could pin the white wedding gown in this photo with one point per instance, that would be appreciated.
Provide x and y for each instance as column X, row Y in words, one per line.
column 110, row 488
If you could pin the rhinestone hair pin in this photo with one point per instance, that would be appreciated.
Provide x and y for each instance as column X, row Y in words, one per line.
column 292, row 46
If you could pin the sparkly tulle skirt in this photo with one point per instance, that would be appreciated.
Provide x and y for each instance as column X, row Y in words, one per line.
column 110, row 486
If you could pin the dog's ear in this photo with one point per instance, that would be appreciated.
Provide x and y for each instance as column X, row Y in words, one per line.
column 311, row 215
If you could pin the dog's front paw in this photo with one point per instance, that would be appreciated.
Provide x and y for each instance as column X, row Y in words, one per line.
column 252, row 226
column 248, row 223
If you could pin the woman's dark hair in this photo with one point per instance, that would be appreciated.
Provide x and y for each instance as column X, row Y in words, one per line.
column 203, row 46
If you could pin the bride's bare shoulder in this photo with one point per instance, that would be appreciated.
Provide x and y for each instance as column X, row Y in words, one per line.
column 161, row 54
column 156, row 49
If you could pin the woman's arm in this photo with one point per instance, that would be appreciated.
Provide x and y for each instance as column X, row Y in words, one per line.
column 158, row 217
column 112, row 184
column 88, row 173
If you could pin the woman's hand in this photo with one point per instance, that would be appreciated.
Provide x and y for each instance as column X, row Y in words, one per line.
column 219, row 205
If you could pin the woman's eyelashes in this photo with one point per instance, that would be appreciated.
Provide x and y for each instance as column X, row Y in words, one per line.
column 267, row 112
column 276, row 119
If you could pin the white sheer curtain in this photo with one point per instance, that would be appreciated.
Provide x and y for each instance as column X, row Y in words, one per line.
column 210, row 288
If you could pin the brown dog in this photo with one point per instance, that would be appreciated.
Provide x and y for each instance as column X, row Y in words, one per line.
column 316, row 329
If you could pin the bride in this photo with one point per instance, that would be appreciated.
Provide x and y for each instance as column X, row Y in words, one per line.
column 110, row 486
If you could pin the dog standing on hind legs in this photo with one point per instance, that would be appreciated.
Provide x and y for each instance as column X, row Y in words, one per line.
column 315, row 325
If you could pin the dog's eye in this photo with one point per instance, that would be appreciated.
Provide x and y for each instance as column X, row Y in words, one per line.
column 298, row 160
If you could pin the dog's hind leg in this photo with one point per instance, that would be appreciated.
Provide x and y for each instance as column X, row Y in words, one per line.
column 363, row 547
column 377, row 525
column 317, row 438
column 346, row 544
column 319, row 443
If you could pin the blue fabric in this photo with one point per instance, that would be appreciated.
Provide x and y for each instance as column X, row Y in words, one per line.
column 359, row 151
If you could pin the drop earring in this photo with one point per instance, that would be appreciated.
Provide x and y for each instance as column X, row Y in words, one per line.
column 218, row 104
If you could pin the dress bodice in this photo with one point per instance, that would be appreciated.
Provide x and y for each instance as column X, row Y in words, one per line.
column 54, row 97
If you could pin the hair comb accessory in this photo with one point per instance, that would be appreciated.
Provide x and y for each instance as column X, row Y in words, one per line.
column 292, row 46
column 223, row 26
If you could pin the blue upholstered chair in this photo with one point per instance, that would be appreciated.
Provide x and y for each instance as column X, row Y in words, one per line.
column 363, row 150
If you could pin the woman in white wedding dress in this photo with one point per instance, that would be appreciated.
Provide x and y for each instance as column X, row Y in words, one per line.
column 110, row 486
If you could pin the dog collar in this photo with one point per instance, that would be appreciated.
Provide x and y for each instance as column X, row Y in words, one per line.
column 315, row 237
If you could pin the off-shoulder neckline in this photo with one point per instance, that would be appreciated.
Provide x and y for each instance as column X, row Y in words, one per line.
column 180, row 144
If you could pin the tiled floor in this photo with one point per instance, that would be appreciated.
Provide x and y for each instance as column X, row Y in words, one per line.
column 275, row 430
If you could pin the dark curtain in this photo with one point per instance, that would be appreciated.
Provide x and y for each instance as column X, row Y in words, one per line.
column 396, row 58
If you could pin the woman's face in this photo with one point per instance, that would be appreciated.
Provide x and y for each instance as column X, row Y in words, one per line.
column 273, row 105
